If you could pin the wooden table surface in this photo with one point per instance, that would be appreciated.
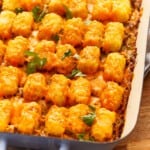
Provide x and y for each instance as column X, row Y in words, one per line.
column 139, row 139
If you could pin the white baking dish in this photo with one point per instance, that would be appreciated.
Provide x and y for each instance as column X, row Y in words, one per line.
column 137, row 83
column 131, row 111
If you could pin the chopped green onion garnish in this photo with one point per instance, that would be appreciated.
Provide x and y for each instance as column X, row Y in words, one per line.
column 76, row 73
column 35, row 63
column 66, row 54
column 68, row 12
column 89, row 118
column 18, row 10
column 38, row 14
column 55, row 38
column 92, row 107
column 29, row 53
column 81, row 136
column 31, row 67
column 91, row 139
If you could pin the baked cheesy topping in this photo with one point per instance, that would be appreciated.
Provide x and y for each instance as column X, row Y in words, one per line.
column 66, row 66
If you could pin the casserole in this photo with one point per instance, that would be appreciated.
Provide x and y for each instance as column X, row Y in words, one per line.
column 44, row 143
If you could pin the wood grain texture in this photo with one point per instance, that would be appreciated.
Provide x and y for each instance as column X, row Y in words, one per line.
column 139, row 139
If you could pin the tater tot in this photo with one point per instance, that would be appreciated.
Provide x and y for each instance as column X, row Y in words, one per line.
column 35, row 87
column 29, row 119
column 61, row 79
column 111, row 96
column 6, row 20
column 97, row 85
column 113, row 37
column 114, row 67
column 94, row 34
column 46, row 49
column 2, row 50
column 95, row 102
column 51, row 25
column 51, row 58
column 58, row 90
column 15, row 51
column 9, row 80
column 23, row 24
column 78, row 8
column 22, row 77
column 121, row 10
column 74, row 122
column 30, row 4
column 57, row 6
column 10, row 4
column 73, row 32
column 55, row 123
column 45, row 46
column 102, row 129
column 89, row 60
column 101, row 10
column 17, row 105
column 80, row 91
column 66, row 63
column 5, row 114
